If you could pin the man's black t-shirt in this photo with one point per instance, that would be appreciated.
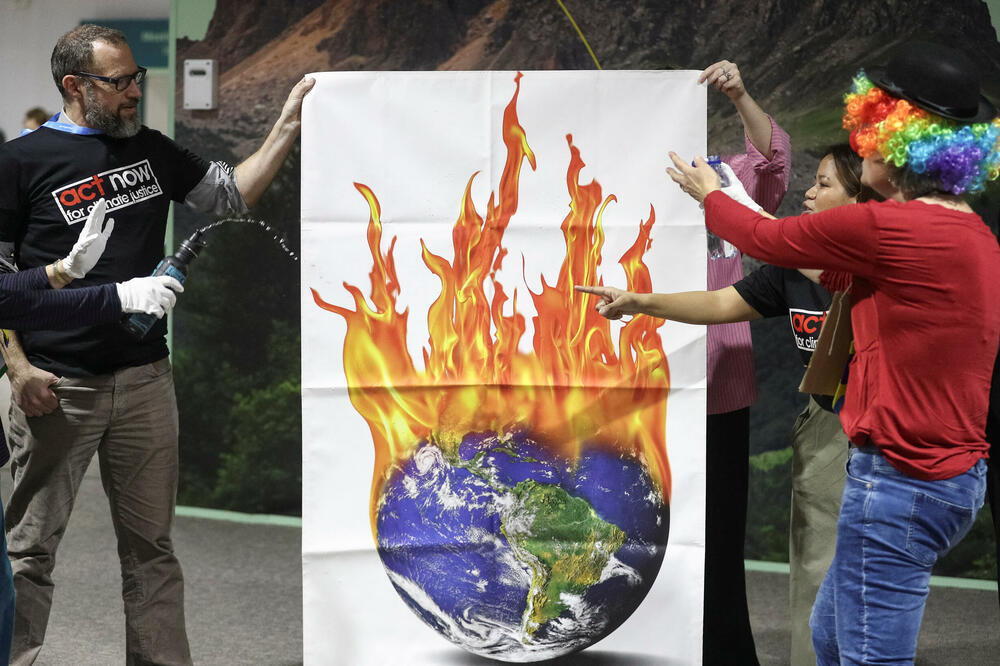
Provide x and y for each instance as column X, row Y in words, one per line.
column 51, row 180
column 777, row 292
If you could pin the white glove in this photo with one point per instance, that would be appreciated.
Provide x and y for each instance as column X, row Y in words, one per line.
column 90, row 245
column 152, row 295
column 736, row 191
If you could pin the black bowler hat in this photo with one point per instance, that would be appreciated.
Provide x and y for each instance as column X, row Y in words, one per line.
column 936, row 78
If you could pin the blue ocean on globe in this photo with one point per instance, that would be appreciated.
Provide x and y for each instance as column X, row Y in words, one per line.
column 517, row 554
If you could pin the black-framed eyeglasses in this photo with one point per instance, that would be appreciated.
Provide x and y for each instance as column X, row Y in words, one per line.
column 119, row 82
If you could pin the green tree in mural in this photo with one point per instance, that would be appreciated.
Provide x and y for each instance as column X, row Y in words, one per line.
column 236, row 358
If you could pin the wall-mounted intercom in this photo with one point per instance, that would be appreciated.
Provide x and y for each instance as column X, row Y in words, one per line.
column 201, row 83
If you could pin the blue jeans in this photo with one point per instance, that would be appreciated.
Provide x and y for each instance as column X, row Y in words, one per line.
column 892, row 529
column 6, row 597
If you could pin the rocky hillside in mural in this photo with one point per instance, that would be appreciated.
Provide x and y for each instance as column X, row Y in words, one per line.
column 797, row 56
column 236, row 340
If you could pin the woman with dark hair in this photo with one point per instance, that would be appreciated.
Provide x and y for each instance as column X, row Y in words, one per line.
column 916, row 404
column 847, row 164
column 818, row 442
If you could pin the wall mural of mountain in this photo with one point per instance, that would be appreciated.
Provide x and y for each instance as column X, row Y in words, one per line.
column 236, row 340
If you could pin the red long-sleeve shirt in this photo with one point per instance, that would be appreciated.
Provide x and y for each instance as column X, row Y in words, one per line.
column 925, row 314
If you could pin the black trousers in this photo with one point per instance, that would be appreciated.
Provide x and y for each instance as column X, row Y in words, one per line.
column 727, row 638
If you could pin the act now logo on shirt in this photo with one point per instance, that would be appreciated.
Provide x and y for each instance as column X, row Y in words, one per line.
column 805, row 326
column 122, row 187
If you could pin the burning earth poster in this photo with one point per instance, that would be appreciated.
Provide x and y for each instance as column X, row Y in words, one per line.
column 489, row 467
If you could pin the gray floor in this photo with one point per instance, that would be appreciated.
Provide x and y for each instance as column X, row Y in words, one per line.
column 961, row 627
column 244, row 589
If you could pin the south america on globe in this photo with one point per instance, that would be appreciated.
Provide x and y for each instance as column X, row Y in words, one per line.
column 513, row 552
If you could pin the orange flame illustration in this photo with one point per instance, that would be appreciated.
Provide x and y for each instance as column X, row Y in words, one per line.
column 575, row 387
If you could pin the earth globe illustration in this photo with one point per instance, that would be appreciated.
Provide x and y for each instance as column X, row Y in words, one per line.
column 514, row 553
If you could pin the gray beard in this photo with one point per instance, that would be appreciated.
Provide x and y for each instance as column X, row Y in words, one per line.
column 109, row 122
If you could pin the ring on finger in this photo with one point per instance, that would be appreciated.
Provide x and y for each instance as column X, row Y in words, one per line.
column 727, row 74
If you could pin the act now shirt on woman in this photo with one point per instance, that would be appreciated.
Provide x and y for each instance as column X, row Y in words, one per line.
column 781, row 292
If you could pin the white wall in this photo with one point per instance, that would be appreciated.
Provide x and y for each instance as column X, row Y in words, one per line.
column 29, row 30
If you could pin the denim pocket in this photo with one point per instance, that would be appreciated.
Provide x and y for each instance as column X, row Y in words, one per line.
column 859, row 467
column 935, row 526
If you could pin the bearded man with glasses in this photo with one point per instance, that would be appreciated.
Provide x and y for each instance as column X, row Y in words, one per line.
column 108, row 118
column 97, row 389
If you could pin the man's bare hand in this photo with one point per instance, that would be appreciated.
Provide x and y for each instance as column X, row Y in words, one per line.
column 256, row 172
column 292, row 109
column 31, row 390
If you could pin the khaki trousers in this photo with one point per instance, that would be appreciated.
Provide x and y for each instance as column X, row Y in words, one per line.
column 819, row 459
column 129, row 419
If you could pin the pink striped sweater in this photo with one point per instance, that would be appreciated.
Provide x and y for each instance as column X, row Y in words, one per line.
column 731, row 383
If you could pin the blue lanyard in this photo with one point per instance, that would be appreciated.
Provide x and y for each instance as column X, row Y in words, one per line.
column 53, row 123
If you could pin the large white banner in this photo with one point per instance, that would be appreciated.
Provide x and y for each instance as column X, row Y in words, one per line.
column 488, row 465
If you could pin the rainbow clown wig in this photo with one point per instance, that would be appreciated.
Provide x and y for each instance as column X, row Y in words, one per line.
column 958, row 157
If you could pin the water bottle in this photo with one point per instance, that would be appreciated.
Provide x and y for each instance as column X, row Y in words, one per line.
column 174, row 265
column 718, row 248
column 715, row 162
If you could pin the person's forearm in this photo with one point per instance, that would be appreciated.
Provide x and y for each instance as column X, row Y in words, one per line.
column 721, row 306
column 844, row 239
column 256, row 172
column 57, row 275
column 756, row 123
column 13, row 353
column 27, row 303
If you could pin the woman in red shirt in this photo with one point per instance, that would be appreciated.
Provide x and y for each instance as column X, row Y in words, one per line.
column 921, row 268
